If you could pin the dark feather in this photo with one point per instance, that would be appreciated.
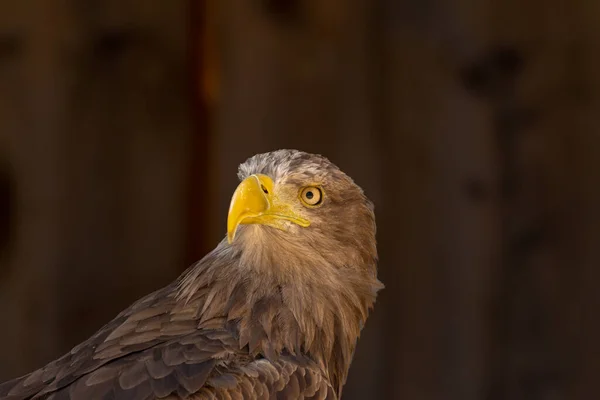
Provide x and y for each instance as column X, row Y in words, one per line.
column 165, row 386
column 157, row 369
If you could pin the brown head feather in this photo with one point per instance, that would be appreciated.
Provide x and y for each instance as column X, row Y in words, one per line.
column 300, row 290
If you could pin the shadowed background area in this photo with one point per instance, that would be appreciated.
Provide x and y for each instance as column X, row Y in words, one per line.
column 472, row 125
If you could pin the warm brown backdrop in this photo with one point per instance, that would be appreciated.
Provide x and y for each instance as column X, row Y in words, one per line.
column 473, row 125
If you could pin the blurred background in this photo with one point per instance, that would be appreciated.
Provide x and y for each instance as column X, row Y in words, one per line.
column 473, row 125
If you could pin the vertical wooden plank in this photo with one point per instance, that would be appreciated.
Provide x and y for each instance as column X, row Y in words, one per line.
column 10, row 79
column 128, row 134
column 535, row 89
column 584, row 158
column 203, row 65
column 97, row 131
column 441, row 210
column 33, row 148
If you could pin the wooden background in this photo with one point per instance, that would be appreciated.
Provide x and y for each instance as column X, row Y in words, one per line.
column 473, row 125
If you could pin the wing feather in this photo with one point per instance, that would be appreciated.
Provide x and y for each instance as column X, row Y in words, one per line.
column 147, row 352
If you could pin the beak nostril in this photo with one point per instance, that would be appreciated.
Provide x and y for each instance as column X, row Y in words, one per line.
column 264, row 189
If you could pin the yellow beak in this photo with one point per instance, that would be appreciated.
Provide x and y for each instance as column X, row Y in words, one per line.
column 254, row 202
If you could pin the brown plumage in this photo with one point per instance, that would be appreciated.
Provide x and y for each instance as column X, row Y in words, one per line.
column 274, row 314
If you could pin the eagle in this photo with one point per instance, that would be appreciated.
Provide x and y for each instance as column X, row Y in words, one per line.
column 273, row 312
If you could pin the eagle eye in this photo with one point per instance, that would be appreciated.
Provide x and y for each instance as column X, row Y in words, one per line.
column 311, row 196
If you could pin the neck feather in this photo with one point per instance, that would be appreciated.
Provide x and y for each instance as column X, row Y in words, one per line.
column 282, row 303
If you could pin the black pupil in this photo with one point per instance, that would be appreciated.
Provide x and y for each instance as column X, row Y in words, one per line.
column 309, row 195
column 264, row 189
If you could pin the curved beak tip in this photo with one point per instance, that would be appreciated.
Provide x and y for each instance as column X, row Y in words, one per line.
column 230, row 237
column 233, row 221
